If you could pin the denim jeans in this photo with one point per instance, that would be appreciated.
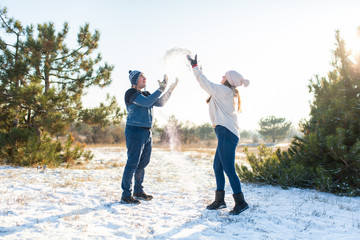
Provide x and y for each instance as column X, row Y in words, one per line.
column 139, row 145
column 224, row 160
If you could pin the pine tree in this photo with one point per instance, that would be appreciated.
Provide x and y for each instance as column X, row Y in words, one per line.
column 273, row 127
column 43, row 80
column 327, row 156
column 330, row 148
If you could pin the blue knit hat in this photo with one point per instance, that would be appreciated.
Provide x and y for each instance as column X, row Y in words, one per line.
column 134, row 76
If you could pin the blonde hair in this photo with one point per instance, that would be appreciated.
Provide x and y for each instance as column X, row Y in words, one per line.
column 236, row 94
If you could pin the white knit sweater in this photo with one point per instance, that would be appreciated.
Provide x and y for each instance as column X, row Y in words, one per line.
column 221, row 106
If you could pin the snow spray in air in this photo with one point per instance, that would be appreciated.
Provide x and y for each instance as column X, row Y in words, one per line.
column 175, row 62
column 176, row 53
column 176, row 65
column 172, row 133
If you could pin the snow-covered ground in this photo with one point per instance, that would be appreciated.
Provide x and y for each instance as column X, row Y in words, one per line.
column 84, row 204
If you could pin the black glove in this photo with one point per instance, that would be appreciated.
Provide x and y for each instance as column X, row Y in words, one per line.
column 193, row 62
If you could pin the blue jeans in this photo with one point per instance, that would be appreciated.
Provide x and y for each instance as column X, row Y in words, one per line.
column 224, row 160
column 139, row 145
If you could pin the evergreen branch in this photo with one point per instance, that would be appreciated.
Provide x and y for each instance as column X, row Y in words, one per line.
column 7, row 44
column 6, row 95
column 63, row 77
column 76, row 59
column 5, row 23
column 69, row 55
column 4, row 121
column 69, row 78
column 68, row 63
column 65, row 71
column 62, row 83
column 343, row 160
column 12, row 54
column 39, row 73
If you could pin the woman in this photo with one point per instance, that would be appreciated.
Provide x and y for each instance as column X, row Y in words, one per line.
column 223, row 115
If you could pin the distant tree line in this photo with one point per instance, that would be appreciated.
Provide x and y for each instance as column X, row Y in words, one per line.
column 176, row 132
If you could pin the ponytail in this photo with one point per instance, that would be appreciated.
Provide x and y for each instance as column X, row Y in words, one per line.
column 239, row 100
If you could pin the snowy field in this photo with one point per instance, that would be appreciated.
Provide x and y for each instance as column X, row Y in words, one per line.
column 83, row 203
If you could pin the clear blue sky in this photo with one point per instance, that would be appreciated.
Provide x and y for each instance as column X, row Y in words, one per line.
column 278, row 45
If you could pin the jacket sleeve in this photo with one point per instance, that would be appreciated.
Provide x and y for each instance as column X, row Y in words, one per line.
column 148, row 101
column 205, row 84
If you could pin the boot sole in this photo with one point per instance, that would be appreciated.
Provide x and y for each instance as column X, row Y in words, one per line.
column 123, row 202
column 220, row 207
column 144, row 199
column 236, row 213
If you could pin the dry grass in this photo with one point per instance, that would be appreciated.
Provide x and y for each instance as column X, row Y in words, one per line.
column 115, row 164
column 199, row 150
column 87, row 178
column 255, row 149
column 23, row 199
column 72, row 217
column 199, row 146
column 77, row 166
column 106, row 145
column 209, row 151
column 110, row 164
column 159, row 179
column 74, row 182
column 67, row 183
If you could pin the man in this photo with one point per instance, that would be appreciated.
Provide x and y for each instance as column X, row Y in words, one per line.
column 138, row 137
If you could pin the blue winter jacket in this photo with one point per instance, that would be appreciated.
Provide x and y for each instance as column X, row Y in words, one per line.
column 139, row 106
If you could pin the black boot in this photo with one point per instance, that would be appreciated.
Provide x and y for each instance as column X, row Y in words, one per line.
column 240, row 204
column 219, row 201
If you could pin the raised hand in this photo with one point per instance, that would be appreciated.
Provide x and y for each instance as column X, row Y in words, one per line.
column 173, row 85
column 163, row 83
column 193, row 62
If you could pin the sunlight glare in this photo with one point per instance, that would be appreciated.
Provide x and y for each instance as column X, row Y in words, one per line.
column 352, row 41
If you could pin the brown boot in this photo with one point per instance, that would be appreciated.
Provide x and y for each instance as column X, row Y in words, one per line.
column 240, row 204
column 143, row 196
column 129, row 200
column 219, row 201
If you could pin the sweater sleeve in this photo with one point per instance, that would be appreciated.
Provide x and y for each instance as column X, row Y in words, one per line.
column 163, row 99
column 147, row 101
column 205, row 84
